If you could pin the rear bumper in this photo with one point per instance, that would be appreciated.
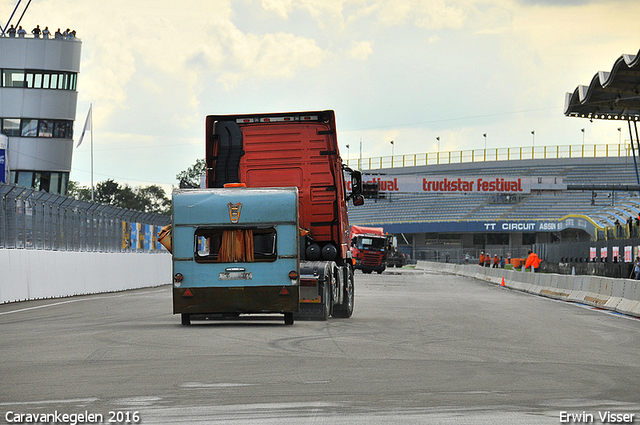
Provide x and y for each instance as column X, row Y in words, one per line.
column 243, row 299
column 367, row 268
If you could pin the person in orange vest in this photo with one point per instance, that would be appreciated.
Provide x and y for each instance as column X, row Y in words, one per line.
column 533, row 261
column 496, row 261
column 481, row 259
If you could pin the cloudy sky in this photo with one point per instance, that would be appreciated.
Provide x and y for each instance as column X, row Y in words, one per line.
column 402, row 70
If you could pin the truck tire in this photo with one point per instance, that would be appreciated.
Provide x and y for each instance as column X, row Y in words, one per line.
column 229, row 152
column 326, row 293
column 185, row 319
column 288, row 318
column 336, row 285
column 345, row 310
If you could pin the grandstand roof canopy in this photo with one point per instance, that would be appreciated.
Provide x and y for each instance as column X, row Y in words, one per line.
column 610, row 95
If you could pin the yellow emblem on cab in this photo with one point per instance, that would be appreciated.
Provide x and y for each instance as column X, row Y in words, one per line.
column 234, row 211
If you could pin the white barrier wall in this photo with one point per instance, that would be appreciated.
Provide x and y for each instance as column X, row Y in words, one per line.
column 33, row 274
column 621, row 295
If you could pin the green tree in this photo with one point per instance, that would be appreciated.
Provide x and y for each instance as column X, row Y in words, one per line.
column 106, row 192
column 191, row 176
column 156, row 200
column 151, row 199
column 74, row 190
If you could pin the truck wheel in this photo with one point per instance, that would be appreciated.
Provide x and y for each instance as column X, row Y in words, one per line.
column 326, row 294
column 288, row 318
column 345, row 310
column 186, row 319
column 336, row 285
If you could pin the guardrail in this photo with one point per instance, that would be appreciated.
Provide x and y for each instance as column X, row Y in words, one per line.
column 31, row 219
column 495, row 154
column 51, row 36
column 620, row 295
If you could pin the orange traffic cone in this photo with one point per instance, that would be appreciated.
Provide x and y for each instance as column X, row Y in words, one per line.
column 502, row 284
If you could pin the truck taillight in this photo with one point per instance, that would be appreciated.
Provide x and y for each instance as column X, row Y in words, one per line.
column 177, row 278
column 293, row 274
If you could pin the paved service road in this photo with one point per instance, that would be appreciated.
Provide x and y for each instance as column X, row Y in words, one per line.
column 421, row 348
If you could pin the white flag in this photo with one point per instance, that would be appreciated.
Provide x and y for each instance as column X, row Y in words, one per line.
column 87, row 126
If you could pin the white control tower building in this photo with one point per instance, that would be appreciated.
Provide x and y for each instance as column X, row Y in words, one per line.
column 38, row 100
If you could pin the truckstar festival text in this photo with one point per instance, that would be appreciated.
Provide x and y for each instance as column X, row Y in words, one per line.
column 440, row 184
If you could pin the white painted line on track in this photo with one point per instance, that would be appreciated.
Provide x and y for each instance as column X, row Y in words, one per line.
column 72, row 400
column 88, row 298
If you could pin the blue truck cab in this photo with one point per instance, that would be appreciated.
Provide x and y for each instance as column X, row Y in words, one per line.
column 235, row 251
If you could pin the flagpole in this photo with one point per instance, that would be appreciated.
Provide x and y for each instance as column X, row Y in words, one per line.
column 91, row 109
column 88, row 125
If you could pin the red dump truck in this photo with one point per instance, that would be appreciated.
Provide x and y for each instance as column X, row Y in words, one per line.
column 296, row 150
column 368, row 248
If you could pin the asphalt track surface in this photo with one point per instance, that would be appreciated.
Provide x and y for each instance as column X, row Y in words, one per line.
column 421, row 347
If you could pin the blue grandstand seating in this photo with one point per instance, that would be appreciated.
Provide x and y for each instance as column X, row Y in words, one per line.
column 423, row 208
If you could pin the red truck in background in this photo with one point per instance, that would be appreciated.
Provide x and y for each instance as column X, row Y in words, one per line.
column 300, row 150
column 368, row 248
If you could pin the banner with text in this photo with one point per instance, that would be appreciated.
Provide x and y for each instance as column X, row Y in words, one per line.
column 439, row 184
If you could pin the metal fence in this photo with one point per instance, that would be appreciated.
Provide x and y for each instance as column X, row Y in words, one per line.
column 31, row 219
column 494, row 154
column 458, row 255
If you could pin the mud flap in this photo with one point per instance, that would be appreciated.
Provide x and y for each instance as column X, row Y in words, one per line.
column 309, row 311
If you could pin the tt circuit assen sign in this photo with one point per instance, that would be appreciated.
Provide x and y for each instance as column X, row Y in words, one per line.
column 568, row 222
column 430, row 184
column 521, row 226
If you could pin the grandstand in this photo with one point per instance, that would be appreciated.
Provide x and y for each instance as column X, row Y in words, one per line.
column 472, row 222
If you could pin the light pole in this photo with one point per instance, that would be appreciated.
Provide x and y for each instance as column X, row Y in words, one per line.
column 582, row 136
column 438, row 139
column 533, row 134
column 484, row 156
column 393, row 145
column 619, row 135
column 347, row 154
